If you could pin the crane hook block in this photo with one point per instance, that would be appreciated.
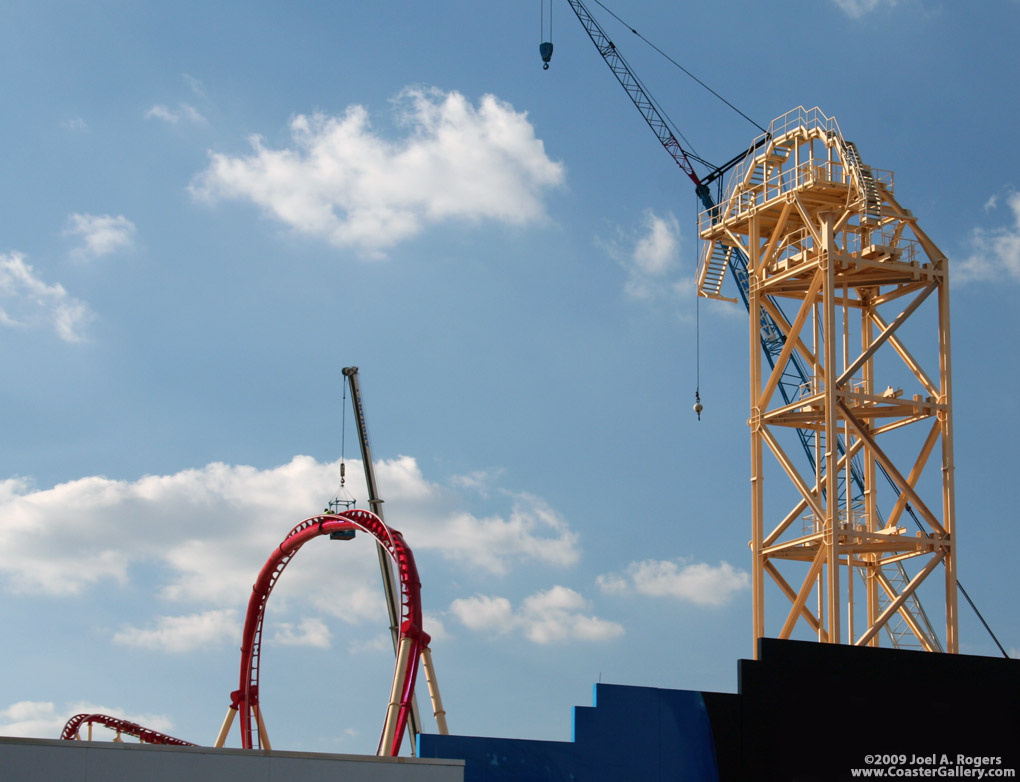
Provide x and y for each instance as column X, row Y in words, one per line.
column 545, row 49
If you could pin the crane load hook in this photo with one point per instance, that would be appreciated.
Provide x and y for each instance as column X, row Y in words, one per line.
column 546, row 50
column 698, row 407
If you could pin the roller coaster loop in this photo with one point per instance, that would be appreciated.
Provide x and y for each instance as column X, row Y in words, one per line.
column 413, row 641
column 146, row 735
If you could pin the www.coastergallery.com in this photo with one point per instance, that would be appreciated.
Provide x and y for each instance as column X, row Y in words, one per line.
column 951, row 771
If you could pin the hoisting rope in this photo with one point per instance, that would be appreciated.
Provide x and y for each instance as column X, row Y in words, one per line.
column 545, row 46
column 343, row 431
column 697, row 354
column 678, row 65
column 343, row 497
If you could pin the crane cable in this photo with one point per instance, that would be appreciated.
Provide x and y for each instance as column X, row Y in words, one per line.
column 674, row 62
column 698, row 407
column 343, row 420
column 343, row 431
column 343, row 497
column 545, row 47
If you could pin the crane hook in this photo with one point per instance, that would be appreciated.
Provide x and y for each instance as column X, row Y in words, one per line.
column 546, row 50
column 698, row 407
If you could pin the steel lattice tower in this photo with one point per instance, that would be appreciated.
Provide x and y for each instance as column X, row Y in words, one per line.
column 846, row 543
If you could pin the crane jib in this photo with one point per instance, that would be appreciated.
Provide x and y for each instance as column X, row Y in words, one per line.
column 635, row 90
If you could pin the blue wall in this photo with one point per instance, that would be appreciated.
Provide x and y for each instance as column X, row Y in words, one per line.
column 639, row 733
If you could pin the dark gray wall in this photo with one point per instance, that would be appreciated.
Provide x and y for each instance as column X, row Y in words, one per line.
column 96, row 761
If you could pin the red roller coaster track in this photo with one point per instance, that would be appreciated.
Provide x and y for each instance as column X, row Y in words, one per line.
column 413, row 641
column 146, row 735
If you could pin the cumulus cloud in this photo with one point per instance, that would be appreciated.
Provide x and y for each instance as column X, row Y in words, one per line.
column 553, row 616
column 42, row 719
column 184, row 112
column 383, row 642
column 435, row 628
column 177, row 634
column 995, row 252
column 651, row 257
column 532, row 530
column 855, row 9
column 27, row 302
column 342, row 181
column 203, row 534
column 479, row 481
column 194, row 84
column 308, row 632
column 100, row 234
column 694, row 582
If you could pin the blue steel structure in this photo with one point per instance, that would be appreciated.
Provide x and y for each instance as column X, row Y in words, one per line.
column 795, row 379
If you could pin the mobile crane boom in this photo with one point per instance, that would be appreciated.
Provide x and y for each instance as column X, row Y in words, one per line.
column 375, row 505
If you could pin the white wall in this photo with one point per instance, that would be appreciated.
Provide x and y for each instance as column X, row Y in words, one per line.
column 99, row 761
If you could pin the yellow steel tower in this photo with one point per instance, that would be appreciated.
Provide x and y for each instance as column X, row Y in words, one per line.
column 825, row 238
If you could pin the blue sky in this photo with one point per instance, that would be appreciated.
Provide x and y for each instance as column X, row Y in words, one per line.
column 210, row 210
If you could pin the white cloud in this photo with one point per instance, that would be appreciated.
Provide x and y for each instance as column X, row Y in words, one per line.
column 26, row 301
column 651, row 257
column 435, row 627
column 383, row 642
column 203, row 535
column 184, row 112
column 483, row 612
column 698, row 583
column 75, row 124
column 195, row 84
column 340, row 180
column 309, row 632
column 100, row 234
column 42, row 719
column 177, row 634
column 995, row 252
column 553, row 616
column 858, row 8
column 655, row 252
column 533, row 530
column 480, row 481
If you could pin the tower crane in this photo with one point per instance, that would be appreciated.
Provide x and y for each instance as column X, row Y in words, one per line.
column 721, row 256
column 732, row 258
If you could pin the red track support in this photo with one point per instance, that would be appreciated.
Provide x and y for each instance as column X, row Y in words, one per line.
column 246, row 698
column 146, row 735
